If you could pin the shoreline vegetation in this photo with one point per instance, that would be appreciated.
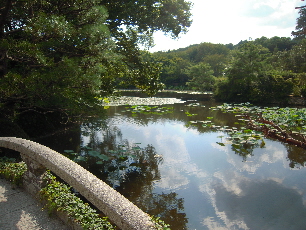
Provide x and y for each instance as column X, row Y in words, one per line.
column 122, row 97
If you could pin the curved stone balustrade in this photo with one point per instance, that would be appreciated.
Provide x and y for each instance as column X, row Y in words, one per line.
column 39, row 158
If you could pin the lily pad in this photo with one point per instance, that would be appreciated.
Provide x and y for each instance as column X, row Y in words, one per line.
column 103, row 157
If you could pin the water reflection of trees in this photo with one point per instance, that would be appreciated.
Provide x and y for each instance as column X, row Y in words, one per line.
column 200, row 110
column 244, row 150
column 219, row 119
column 296, row 155
column 134, row 175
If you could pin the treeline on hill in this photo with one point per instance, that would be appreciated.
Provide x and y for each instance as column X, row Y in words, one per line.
column 262, row 70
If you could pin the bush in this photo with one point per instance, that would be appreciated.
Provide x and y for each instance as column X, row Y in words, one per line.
column 303, row 91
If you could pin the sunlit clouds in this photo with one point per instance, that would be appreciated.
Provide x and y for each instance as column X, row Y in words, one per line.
column 232, row 21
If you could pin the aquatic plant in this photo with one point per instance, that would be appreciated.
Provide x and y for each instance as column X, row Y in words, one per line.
column 285, row 124
column 146, row 109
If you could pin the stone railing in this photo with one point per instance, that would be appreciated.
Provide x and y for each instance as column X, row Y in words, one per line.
column 39, row 158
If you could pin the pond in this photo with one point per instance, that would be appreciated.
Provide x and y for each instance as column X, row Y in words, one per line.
column 171, row 162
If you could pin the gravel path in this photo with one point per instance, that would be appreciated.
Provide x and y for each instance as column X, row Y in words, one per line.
column 19, row 210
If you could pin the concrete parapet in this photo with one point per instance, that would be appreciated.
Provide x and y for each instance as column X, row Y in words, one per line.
column 38, row 157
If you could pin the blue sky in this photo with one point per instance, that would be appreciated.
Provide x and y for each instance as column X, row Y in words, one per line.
column 225, row 21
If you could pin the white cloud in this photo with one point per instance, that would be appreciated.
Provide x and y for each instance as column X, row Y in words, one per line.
column 232, row 21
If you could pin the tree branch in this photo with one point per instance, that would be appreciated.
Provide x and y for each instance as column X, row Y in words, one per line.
column 276, row 132
column 4, row 15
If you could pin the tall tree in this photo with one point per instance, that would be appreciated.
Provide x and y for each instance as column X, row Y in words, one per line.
column 63, row 54
column 300, row 29
column 134, row 22
column 52, row 53
column 246, row 65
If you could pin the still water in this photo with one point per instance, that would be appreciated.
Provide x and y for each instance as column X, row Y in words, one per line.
column 189, row 174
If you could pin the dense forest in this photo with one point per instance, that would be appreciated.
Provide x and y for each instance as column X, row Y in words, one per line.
column 260, row 70
column 263, row 69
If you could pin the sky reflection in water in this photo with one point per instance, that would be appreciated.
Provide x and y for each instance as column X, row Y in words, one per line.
column 219, row 189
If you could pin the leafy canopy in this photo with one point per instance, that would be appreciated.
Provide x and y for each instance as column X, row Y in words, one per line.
column 202, row 77
column 64, row 54
column 300, row 32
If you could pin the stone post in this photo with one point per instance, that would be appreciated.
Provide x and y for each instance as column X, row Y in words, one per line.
column 33, row 177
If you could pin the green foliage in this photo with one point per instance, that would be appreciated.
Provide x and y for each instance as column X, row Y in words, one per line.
column 289, row 119
column 56, row 59
column 172, row 70
column 274, row 85
column 160, row 224
column 135, row 24
column 201, row 77
column 190, row 114
column 263, row 70
column 176, row 62
column 243, row 139
column 60, row 198
column 275, row 43
column 145, row 109
column 12, row 171
column 118, row 163
column 147, row 16
column 303, row 91
column 62, row 56
column 300, row 32
column 250, row 77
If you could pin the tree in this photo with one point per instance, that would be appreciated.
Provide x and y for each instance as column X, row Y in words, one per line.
column 147, row 16
column 52, row 54
column 202, row 78
column 293, row 60
column 275, row 43
column 245, row 66
column 253, row 77
column 175, row 62
column 60, row 55
column 300, row 28
column 134, row 22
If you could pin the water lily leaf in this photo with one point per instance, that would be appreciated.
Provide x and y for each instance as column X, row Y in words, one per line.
column 220, row 143
column 80, row 158
column 99, row 162
column 93, row 153
column 68, row 151
column 103, row 157
column 247, row 131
